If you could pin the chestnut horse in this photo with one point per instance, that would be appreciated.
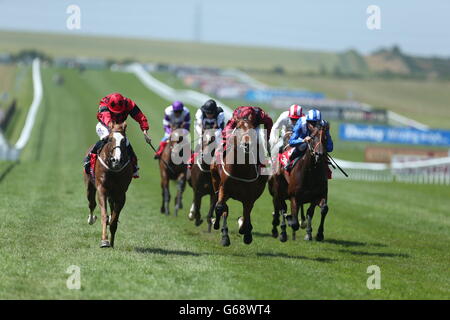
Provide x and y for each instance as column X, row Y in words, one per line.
column 308, row 183
column 112, row 176
column 169, row 170
column 200, row 179
column 278, row 188
column 240, row 180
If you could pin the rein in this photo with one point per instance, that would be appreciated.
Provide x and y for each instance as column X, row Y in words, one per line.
column 243, row 179
column 110, row 169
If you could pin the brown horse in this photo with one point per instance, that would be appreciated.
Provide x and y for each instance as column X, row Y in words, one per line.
column 308, row 183
column 112, row 176
column 239, row 179
column 169, row 170
column 278, row 188
column 200, row 179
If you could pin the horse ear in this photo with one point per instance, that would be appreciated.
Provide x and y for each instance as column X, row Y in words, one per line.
column 124, row 126
column 111, row 124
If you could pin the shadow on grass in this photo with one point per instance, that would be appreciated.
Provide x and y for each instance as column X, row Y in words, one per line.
column 262, row 235
column 8, row 170
column 346, row 243
column 167, row 252
column 259, row 254
column 284, row 255
column 376, row 254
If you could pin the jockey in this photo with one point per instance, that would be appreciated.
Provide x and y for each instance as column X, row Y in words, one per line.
column 301, row 132
column 286, row 122
column 115, row 107
column 209, row 116
column 259, row 117
column 175, row 116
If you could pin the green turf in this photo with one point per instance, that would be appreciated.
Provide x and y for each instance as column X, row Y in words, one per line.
column 43, row 229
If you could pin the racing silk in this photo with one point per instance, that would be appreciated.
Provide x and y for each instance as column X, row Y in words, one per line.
column 280, row 127
column 301, row 131
column 203, row 122
column 259, row 117
column 105, row 116
column 170, row 119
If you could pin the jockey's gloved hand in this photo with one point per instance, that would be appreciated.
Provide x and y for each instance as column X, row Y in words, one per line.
column 325, row 124
column 147, row 137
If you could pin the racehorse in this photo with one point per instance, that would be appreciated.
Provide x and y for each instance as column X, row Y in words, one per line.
column 308, row 183
column 173, row 171
column 112, row 176
column 239, row 181
column 278, row 188
column 200, row 179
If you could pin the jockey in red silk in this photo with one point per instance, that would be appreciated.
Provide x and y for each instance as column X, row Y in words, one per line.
column 259, row 117
column 115, row 107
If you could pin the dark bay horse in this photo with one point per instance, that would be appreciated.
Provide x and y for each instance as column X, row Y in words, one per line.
column 239, row 179
column 308, row 183
column 113, row 174
column 278, row 188
column 170, row 170
column 200, row 179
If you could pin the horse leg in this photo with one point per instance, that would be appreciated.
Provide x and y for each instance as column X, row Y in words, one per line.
column 302, row 216
column 102, row 203
column 91, row 191
column 276, row 217
column 212, row 203
column 293, row 217
column 196, row 212
column 178, row 199
column 225, row 238
column 309, row 216
column 165, row 196
column 283, row 234
column 115, row 212
column 323, row 212
column 245, row 225
column 219, row 208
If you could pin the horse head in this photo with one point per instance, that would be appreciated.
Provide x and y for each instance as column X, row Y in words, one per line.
column 317, row 143
column 246, row 134
column 115, row 149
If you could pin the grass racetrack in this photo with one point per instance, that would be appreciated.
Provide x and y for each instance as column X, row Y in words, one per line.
column 402, row 228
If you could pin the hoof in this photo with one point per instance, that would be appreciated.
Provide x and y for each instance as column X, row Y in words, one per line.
column 105, row 244
column 275, row 233
column 198, row 222
column 248, row 238
column 92, row 219
column 320, row 237
column 191, row 216
column 283, row 237
column 225, row 241
column 303, row 224
column 308, row 237
column 276, row 219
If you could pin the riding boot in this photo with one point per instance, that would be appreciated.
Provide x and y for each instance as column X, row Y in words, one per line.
column 133, row 158
column 160, row 150
column 95, row 149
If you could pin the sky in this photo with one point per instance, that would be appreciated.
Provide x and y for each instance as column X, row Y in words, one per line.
column 418, row 27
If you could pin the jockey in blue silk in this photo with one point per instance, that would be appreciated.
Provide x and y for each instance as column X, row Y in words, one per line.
column 301, row 132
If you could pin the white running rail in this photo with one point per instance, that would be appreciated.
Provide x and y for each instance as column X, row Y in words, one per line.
column 8, row 152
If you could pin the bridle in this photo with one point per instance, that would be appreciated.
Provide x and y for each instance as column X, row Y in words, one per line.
column 108, row 167
column 255, row 165
column 313, row 149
